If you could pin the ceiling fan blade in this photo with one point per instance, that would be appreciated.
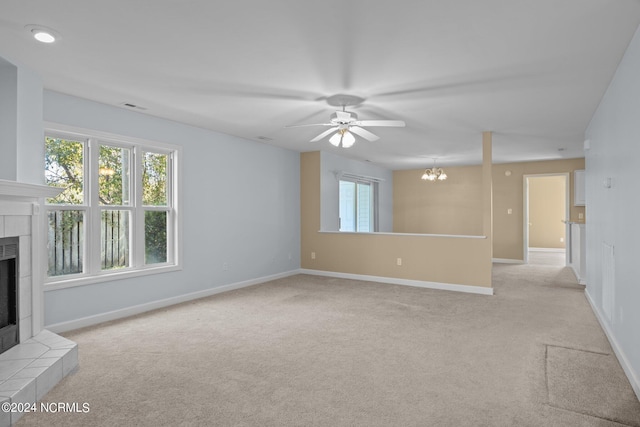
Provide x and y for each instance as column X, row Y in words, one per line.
column 343, row 115
column 394, row 123
column 323, row 134
column 312, row 124
column 363, row 133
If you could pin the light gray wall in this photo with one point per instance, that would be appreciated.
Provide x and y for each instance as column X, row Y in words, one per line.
column 329, row 188
column 30, row 150
column 8, row 120
column 613, row 213
column 241, row 206
column 22, row 151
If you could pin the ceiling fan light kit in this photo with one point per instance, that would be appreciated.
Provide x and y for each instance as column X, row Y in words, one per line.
column 344, row 124
column 343, row 138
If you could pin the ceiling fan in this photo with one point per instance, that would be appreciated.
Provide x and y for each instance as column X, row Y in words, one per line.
column 345, row 123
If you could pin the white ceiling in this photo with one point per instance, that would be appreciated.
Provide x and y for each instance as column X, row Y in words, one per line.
column 532, row 71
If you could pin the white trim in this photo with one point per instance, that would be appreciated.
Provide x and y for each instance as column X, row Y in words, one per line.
column 622, row 358
column 91, row 140
column 27, row 191
column 581, row 280
column 153, row 305
column 354, row 177
column 38, row 248
column 507, row 261
column 106, row 137
column 525, row 209
column 405, row 282
column 547, row 249
column 70, row 281
column 17, row 208
column 460, row 236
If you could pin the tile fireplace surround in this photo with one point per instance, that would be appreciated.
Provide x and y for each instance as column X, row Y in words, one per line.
column 41, row 359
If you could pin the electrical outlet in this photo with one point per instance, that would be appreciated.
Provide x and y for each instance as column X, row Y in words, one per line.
column 225, row 266
column 290, row 257
column 580, row 215
column 509, row 211
column 562, row 240
column 313, row 255
column 399, row 261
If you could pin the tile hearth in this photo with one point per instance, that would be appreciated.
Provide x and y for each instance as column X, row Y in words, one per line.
column 32, row 368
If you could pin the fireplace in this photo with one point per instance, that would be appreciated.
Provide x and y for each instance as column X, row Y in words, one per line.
column 9, row 332
column 32, row 359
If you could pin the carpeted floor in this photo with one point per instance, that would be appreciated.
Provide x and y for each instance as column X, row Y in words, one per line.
column 547, row 258
column 315, row 351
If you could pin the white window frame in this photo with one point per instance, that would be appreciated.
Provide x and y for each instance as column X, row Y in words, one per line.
column 373, row 202
column 93, row 272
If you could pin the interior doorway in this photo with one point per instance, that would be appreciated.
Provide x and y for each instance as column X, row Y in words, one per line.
column 546, row 214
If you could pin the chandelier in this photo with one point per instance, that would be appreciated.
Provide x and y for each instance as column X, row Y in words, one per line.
column 434, row 174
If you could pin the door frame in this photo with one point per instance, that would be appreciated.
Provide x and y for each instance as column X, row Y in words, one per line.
column 525, row 224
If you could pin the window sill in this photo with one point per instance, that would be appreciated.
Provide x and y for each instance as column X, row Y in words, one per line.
column 82, row 280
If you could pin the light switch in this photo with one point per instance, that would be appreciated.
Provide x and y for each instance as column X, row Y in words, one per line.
column 509, row 211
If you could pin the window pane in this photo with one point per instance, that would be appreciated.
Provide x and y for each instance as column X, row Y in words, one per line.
column 155, row 237
column 154, row 179
column 347, row 206
column 66, row 242
column 113, row 175
column 114, row 226
column 64, row 160
column 356, row 206
column 364, row 207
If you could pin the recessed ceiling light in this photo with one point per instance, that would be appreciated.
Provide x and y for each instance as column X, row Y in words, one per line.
column 42, row 33
column 43, row 36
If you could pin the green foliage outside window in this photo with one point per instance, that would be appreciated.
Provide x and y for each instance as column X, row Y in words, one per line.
column 154, row 193
column 113, row 175
column 65, row 166
column 154, row 179
column 64, row 162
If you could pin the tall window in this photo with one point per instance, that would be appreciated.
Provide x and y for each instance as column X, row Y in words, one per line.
column 117, row 212
column 357, row 206
column 64, row 167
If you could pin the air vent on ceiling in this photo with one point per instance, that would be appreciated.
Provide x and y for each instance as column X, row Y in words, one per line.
column 132, row 106
column 264, row 138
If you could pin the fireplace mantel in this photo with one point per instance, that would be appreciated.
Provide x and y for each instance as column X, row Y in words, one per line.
column 20, row 213
column 20, row 206
column 26, row 192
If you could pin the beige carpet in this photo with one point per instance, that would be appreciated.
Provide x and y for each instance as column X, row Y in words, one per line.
column 313, row 351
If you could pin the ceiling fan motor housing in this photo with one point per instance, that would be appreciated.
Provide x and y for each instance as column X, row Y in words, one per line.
column 353, row 117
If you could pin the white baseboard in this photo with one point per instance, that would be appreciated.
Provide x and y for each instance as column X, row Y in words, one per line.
column 153, row 305
column 406, row 282
column 580, row 280
column 622, row 358
column 547, row 249
column 507, row 261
